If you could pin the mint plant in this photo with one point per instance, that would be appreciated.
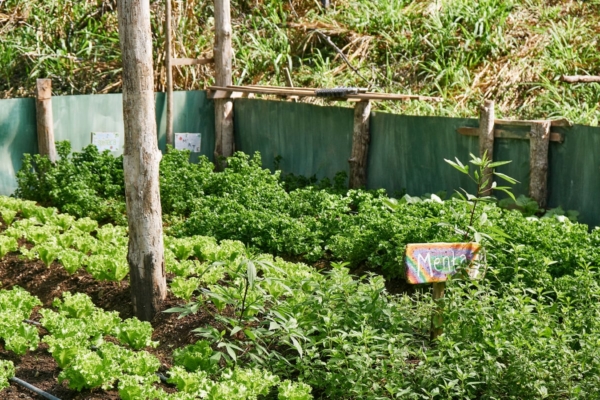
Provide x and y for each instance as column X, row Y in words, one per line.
column 483, row 177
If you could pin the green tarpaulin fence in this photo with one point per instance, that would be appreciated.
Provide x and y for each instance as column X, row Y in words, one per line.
column 406, row 153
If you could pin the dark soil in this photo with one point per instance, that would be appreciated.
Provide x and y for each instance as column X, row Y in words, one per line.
column 39, row 368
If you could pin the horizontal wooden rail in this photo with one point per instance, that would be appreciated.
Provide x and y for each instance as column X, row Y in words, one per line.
column 556, row 122
column 191, row 61
column 219, row 92
column 505, row 134
column 580, row 78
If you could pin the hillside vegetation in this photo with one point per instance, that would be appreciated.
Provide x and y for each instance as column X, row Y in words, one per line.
column 510, row 51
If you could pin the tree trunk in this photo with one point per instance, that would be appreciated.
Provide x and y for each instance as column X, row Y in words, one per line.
column 141, row 161
column 486, row 140
column 224, row 142
column 169, row 68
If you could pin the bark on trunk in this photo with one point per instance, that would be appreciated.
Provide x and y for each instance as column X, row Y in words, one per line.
column 360, row 145
column 224, row 141
column 540, row 139
column 141, row 161
column 45, row 123
column 169, row 68
column 486, row 139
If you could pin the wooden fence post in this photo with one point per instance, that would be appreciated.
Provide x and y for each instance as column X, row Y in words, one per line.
column 169, row 68
column 224, row 143
column 437, row 319
column 45, row 124
column 360, row 145
column 486, row 138
column 538, row 163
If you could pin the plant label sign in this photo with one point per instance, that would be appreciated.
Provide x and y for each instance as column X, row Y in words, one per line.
column 105, row 141
column 434, row 262
column 188, row 141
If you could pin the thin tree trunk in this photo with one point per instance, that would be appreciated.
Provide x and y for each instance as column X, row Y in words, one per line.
column 169, row 68
column 486, row 140
column 141, row 161
column 224, row 142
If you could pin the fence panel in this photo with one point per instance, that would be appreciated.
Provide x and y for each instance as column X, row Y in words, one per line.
column 312, row 140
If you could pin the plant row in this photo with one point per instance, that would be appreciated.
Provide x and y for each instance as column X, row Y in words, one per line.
column 319, row 221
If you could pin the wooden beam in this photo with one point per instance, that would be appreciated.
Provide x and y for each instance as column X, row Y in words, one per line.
column 360, row 145
column 580, row 78
column 505, row 134
column 486, row 139
column 44, row 121
column 284, row 91
column 538, row 162
column 556, row 122
column 169, row 68
column 191, row 61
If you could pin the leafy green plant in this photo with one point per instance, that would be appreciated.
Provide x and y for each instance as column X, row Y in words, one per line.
column 135, row 333
column 289, row 390
column 71, row 260
column 196, row 357
column 88, row 370
column 76, row 305
column 183, row 288
column 8, row 215
column 7, row 371
column 7, row 244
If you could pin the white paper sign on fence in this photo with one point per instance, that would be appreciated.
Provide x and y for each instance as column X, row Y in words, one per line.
column 188, row 141
column 105, row 141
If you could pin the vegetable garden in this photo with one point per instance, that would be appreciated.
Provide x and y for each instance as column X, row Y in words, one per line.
column 282, row 287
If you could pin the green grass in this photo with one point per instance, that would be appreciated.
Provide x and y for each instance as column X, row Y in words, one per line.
column 510, row 51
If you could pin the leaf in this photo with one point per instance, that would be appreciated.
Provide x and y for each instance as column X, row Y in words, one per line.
column 498, row 164
column 297, row 345
column 251, row 273
column 506, row 178
column 458, row 165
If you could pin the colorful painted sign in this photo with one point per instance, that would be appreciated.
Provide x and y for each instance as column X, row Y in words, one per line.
column 188, row 141
column 106, row 141
column 434, row 262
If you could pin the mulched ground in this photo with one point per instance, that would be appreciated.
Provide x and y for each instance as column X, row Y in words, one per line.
column 39, row 368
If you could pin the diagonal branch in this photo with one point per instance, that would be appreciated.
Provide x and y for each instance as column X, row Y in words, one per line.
column 327, row 39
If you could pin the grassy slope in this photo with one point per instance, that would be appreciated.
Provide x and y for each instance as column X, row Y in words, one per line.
column 510, row 51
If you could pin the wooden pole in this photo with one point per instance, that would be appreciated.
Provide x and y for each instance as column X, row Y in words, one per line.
column 45, row 124
column 437, row 319
column 224, row 143
column 360, row 145
column 538, row 162
column 169, row 68
column 486, row 139
column 141, row 160
column 580, row 78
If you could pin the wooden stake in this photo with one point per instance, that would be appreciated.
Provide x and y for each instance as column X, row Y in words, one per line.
column 538, row 162
column 224, row 142
column 437, row 319
column 580, row 78
column 169, row 68
column 360, row 145
column 45, row 124
column 486, row 139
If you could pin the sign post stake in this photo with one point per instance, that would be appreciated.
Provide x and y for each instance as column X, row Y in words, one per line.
column 437, row 318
